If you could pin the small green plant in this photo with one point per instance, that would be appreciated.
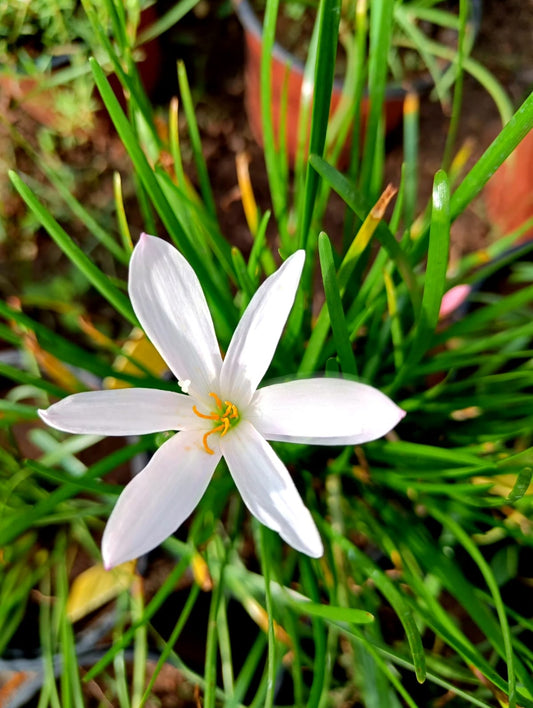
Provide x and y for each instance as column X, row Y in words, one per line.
column 45, row 47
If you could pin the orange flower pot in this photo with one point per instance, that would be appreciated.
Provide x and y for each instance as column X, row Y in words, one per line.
column 287, row 68
column 509, row 193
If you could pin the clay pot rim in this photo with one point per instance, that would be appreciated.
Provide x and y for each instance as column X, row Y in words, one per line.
column 250, row 23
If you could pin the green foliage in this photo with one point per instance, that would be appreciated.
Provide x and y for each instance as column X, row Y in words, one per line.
column 426, row 531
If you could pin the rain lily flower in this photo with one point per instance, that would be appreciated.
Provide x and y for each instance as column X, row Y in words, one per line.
column 221, row 411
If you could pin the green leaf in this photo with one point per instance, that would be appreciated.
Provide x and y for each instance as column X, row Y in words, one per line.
column 334, row 614
column 278, row 188
column 521, row 485
column 435, row 277
column 381, row 23
column 328, row 21
column 358, row 204
column 397, row 601
column 86, row 266
column 192, row 251
column 334, row 305
column 196, row 141
column 501, row 147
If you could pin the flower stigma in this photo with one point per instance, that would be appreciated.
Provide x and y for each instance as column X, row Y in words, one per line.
column 225, row 416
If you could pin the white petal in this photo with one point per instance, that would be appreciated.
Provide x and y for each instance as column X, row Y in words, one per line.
column 170, row 304
column 268, row 490
column 159, row 499
column 125, row 411
column 323, row 411
column 257, row 335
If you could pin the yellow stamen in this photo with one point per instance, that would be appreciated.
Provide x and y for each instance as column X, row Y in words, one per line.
column 211, row 416
column 210, row 432
column 234, row 411
column 217, row 400
column 224, row 415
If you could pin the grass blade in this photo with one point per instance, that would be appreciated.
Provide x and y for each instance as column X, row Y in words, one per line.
column 435, row 277
column 334, row 305
column 328, row 19
column 93, row 274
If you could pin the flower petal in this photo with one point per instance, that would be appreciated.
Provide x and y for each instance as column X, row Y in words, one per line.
column 268, row 490
column 453, row 299
column 157, row 501
column 125, row 411
column 170, row 304
column 323, row 411
column 257, row 335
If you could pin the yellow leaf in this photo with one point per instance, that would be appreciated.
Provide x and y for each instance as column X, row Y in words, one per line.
column 53, row 368
column 503, row 484
column 260, row 617
column 136, row 348
column 96, row 586
column 251, row 212
column 201, row 573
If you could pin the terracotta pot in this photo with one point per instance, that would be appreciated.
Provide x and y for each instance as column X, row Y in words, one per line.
column 287, row 67
column 509, row 193
column 285, row 64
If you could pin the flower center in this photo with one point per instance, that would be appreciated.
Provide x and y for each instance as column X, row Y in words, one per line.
column 225, row 415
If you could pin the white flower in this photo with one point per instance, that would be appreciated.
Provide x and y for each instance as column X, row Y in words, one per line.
column 223, row 413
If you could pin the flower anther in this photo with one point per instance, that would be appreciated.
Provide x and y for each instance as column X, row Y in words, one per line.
column 226, row 415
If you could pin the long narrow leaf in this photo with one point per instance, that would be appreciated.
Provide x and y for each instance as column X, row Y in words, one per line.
column 328, row 19
column 93, row 274
column 435, row 277
column 334, row 305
